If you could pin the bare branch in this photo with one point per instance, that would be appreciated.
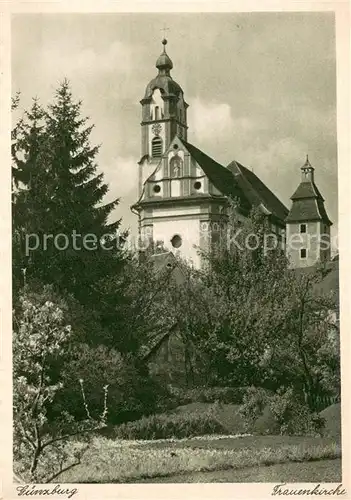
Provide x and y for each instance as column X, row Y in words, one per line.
column 25, row 434
column 62, row 470
column 67, row 436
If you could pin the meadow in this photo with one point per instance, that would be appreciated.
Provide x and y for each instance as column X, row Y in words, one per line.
column 121, row 461
column 229, row 457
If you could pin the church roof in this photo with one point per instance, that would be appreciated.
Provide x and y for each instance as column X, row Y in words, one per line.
column 256, row 191
column 166, row 261
column 165, row 84
column 307, row 201
column 219, row 175
column 237, row 181
column 308, row 209
column 307, row 189
column 308, row 204
column 330, row 280
column 234, row 181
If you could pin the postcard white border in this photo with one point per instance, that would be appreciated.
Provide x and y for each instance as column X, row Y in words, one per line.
column 170, row 491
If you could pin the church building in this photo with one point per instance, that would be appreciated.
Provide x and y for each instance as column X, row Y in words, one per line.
column 184, row 194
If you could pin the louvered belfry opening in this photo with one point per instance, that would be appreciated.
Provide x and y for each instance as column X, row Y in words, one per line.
column 156, row 147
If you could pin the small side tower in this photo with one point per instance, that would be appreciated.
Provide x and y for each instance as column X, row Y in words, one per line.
column 307, row 224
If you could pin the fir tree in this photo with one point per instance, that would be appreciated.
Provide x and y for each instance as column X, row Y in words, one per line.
column 59, row 192
column 29, row 183
column 78, row 190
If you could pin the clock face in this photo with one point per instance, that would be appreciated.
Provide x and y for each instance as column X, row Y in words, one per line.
column 156, row 128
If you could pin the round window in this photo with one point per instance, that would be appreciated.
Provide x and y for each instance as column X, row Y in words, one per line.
column 157, row 188
column 197, row 185
column 176, row 241
column 175, row 146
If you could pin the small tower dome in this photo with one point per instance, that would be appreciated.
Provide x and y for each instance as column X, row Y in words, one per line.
column 163, row 81
column 164, row 62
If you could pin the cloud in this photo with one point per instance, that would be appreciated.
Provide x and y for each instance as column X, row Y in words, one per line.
column 59, row 60
column 213, row 127
column 210, row 120
column 122, row 176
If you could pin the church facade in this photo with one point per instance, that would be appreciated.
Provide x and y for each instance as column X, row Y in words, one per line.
column 184, row 194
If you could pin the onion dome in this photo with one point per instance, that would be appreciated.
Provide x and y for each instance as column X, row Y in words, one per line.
column 164, row 62
column 163, row 81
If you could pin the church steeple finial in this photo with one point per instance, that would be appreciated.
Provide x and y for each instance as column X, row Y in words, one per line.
column 307, row 162
column 307, row 171
column 164, row 63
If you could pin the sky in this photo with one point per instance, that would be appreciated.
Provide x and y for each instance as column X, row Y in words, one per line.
column 261, row 88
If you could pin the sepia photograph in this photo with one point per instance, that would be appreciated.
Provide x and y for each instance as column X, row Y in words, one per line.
column 175, row 250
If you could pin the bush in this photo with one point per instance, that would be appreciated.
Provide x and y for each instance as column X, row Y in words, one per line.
column 283, row 412
column 293, row 415
column 266, row 424
column 254, row 402
column 165, row 426
column 225, row 395
column 132, row 393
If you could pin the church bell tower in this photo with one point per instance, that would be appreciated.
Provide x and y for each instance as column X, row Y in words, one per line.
column 164, row 115
column 180, row 208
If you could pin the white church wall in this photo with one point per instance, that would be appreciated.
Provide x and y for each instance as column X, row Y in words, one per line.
column 159, row 172
column 296, row 241
column 156, row 189
column 176, row 211
column 146, row 169
column 198, row 185
column 172, row 153
column 187, row 229
column 175, row 187
column 199, row 171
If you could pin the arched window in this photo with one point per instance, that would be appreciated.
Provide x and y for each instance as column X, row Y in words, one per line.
column 176, row 166
column 157, row 113
column 156, row 147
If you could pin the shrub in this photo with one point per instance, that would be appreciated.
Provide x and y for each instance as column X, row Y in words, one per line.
column 132, row 392
column 266, row 424
column 225, row 395
column 254, row 402
column 164, row 426
column 283, row 412
column 293, row 415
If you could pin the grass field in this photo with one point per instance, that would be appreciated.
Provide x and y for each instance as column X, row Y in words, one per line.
column 113, row 461
column 231, row 457
column 238, row 442
column 322, row 471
